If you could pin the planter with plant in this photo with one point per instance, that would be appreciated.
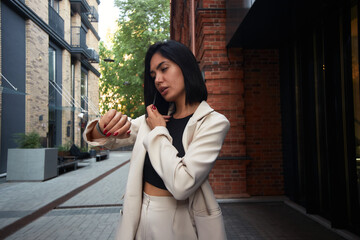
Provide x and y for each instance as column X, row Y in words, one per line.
column 31, row 162
column 64, row 150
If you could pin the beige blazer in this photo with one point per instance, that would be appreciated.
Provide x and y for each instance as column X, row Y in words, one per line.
column 185, row 177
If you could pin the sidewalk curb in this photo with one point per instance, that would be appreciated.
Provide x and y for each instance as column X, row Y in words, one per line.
column 22, row 222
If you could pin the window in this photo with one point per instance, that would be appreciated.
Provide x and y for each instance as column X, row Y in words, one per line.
column 52, row 97
column 54, row 4
column 84, row 89
column 72, row 91
column 52, row 80
column 84, row 94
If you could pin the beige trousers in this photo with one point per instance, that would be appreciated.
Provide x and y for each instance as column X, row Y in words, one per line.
column 165, row 218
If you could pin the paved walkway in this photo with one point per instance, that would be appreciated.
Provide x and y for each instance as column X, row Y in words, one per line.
column 85, row 204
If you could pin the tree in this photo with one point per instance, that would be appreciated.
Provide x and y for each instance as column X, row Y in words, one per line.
column 140, row 24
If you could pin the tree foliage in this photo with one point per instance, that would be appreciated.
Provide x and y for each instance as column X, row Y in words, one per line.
column 140, row 24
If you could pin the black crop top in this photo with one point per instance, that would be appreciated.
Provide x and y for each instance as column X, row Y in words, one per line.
column 176, row 128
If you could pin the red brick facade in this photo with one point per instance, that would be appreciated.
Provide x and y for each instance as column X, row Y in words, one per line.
column 263, row 122
column 244, row 86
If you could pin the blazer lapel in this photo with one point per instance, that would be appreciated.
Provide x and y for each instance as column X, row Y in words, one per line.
column 202, row 110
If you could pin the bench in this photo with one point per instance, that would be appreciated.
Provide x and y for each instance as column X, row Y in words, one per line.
column 65, row 161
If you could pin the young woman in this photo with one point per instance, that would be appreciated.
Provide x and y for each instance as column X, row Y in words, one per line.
column 175, row 147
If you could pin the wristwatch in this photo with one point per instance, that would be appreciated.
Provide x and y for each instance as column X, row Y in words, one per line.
column 99, row 130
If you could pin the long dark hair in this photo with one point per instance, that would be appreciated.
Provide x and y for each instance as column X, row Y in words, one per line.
column 195, row 87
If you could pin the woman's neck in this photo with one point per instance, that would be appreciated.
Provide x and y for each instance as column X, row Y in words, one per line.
column 184, row 110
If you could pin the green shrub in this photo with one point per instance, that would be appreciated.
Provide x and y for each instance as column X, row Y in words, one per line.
column 65, row 147
column 84, row 149
column 28, row 140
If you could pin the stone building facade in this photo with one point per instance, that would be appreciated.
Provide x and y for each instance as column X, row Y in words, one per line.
column 50, row 61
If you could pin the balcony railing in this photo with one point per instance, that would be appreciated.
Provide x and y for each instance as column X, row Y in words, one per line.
column 78, row 43
column 78, row 38
column 94, row 56
column 56, row 22
column 93, row 14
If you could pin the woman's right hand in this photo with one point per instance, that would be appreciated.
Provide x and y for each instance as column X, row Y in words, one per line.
column 113, row 123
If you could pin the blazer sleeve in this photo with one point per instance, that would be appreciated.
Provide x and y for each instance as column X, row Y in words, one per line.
column 183, row 176
column 113, row 142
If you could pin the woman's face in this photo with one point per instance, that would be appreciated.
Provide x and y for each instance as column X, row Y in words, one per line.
column 168, row 77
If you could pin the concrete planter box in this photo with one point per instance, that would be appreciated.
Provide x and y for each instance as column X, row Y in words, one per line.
column 36, row 164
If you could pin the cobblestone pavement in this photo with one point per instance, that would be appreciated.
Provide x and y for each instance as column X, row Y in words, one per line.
column 93, row 213
column 90, row 214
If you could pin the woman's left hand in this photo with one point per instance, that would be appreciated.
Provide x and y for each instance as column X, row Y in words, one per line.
column 154, row 118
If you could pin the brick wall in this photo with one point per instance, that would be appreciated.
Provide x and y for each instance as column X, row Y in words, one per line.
column 212, row 3
column 37, row 79
column 77, row 130
column 225, row 83
column 40, row 7
column 244, row 86
column 263, row 122
column 67, row 90
column 92, row 41
column 228, row 178
column 224, row 80
column 65, row 13
column 76, row 20
column 93, row 94
column 180, row 22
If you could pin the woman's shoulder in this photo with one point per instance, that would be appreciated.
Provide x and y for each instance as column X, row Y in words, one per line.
column 206, row 113
column 214, row 122
column 216, row 116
